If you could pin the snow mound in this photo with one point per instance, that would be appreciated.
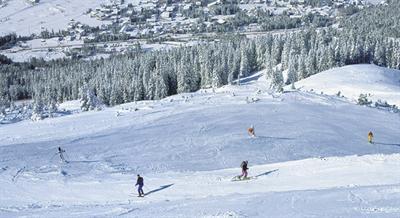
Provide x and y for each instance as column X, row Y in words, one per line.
column 353, row 80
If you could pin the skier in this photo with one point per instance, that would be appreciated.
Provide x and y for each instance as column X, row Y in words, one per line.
column 370, row 137
column 60, row 152
column 140, row 184
column 251, row 132
column 244, row 169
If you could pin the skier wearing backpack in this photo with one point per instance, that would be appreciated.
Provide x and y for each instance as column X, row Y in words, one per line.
column 140, row 185
column 251, row 132
column 244, row 169
column 370, row 137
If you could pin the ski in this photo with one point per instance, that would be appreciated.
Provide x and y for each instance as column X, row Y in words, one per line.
column 238, row 178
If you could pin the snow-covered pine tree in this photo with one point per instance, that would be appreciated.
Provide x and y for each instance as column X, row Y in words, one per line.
column 88, row 99
column 286, row 52
column 363, row 100
column 277, row 79
column 292, row 74
column 38, row 110
column 184, row 77
column 161, row 89
column 4, row 104
column 244, row 64
column 379, row 54
column 269, row 71
column 302, row 72
column 217, row 72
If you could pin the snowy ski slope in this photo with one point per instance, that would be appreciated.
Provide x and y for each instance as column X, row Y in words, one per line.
column 310, row 158
column 351, row 81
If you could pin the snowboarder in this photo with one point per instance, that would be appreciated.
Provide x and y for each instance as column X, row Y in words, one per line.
column 140, row 185
column 370, row 137
column 60, row 152
column 251, row 132
column 244, row 169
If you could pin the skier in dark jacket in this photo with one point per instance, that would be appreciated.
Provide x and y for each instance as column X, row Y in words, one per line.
column 60, row 152
column 244, row 169
column 140, row 184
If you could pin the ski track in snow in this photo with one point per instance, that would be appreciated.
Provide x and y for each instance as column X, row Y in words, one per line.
column 310, row 158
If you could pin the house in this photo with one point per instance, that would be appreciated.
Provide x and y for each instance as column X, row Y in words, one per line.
column 151, row 20
column 165, row 15
column 170, row 8
column 93, row 13
column 126, row 28
column 33, row 1
column 187, row 7
column 213, row 3
column 221, row 21
column 125, row 20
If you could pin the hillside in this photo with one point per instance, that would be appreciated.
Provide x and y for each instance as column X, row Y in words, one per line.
column 24, row 18
column 351, row 81
column 310, row 157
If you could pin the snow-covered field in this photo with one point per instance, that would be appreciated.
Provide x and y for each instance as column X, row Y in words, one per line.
column 351, row 81
column 376, row 1
column 24, row 18
column 310, row 157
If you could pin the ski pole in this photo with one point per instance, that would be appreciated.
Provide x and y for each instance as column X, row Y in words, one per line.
column 67, row 157
column 53, row 156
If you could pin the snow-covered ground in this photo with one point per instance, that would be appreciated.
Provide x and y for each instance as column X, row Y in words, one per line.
column 376, row 1
column 329, row 187
column 52, row 49
column 24, row 18
column 351, row 81
column 23, row 56
column 310, row 158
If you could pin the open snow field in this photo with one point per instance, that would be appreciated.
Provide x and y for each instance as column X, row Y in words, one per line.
column 24, row 18
column 351, row 81
column 310, row 157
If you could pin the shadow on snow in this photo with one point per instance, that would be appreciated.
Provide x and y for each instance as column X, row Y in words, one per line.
column 159, row 189
column 266, row 173
column 392, row 144
column 246, row 80
column 277, row 138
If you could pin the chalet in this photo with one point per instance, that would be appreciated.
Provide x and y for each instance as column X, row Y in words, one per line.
column 106, row 10
column 149, row 6
column 126, row 28
column 93, row 14
column 152, row 19
column 170, row 8
column 221, row 21
column 165, row 15
column 187, row 7
column 213, row 3
column 33, row 1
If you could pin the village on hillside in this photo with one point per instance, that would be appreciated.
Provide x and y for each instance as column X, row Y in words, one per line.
column 128, row 23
